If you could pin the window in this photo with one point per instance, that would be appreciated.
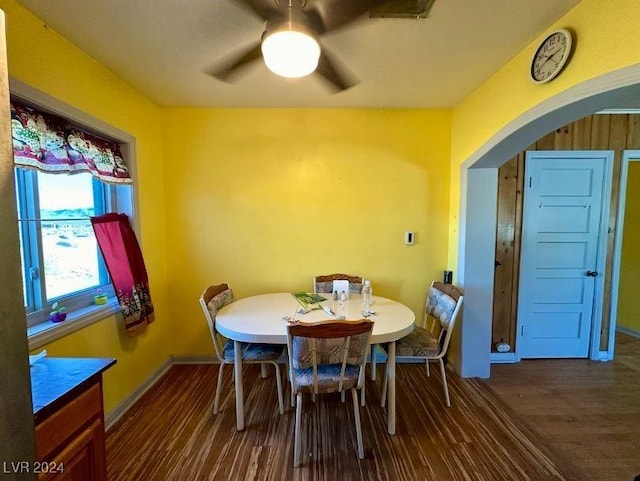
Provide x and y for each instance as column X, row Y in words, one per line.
column 60, row 257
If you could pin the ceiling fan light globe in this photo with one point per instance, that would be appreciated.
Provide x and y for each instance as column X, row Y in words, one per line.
column 290, row 54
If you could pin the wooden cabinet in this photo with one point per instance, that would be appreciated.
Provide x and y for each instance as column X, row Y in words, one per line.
column 70, row 438
column 70, row 442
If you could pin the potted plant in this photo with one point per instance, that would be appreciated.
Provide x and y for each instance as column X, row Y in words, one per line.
column 57, row 313
column 99, row 299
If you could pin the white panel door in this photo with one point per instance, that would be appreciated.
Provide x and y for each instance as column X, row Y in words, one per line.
column 561, row 228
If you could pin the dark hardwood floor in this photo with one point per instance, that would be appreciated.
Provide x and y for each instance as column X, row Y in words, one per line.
column 171, row 434
column 587, row 412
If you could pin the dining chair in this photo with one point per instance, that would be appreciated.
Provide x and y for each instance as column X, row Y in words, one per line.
column 212, row 300
column 327, row 357
column 324, row 284
column 430, row 342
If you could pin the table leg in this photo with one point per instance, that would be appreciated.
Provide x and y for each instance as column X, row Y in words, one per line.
column 391, row 394
column 237, row 366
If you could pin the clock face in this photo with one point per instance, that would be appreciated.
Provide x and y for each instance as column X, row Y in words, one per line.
column 551, row 56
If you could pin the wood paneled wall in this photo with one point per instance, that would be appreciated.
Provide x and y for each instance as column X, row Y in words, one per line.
column 617, row 132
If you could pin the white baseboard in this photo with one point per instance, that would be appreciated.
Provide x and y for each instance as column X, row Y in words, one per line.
column 116, row 413
column 626, row 330
column 504, row 358
column 194, row 360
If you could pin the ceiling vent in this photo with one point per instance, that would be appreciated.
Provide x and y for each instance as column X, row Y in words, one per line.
column 403, row 9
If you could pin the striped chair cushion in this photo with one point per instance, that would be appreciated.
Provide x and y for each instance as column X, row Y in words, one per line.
column 419, row 343
column 253, row 352
column 441, row 306
column 218, row 301
column 328, row 351
column 325, row 287
column 328, row 378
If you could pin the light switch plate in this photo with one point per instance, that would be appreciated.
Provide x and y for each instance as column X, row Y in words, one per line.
column 409, row 238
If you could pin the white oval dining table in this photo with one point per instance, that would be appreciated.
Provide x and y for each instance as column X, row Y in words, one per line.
column 263, row 318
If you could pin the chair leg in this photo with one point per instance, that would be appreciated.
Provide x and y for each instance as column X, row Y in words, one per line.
column 383, row 398
column 356, row 416
column 342, row 398
column 444, row 383
column 292, row 393
column 218, row 389
column 279, row 386
column 373, row 362
column 362, row 396
column 297, row 441
column 426, row 363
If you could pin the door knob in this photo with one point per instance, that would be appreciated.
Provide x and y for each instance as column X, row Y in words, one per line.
column 592, row 273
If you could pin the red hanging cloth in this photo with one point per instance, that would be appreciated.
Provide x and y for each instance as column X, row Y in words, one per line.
column 125, row 264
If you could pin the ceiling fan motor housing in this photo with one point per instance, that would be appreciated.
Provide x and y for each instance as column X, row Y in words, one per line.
column 290, row 18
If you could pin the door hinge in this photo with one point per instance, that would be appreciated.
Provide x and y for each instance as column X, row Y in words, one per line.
column 529, row 182
column 521, row 331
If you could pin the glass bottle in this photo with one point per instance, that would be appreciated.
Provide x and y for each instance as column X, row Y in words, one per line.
column 341, row 311
column 367, row 293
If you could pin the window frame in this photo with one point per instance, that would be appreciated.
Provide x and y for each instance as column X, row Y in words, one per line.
column 38, row 306
column 122, row 199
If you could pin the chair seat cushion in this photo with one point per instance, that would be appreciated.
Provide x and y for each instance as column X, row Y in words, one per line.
column 253, row 351
column 419, row 343
column 328, row 378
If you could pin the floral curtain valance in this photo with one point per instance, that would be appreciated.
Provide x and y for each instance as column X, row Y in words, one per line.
column 49, row 143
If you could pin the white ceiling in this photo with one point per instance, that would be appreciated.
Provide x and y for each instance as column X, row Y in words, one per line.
column 161, row 48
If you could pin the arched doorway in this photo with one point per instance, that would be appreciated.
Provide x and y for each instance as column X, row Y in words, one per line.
column 618, row 89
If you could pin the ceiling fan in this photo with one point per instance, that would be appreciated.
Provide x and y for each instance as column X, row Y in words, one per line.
column 290, row 44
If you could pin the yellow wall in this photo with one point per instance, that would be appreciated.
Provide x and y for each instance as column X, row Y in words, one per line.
column 42, row 58
column 265, row 199
column 606, row 40
column 628, row 300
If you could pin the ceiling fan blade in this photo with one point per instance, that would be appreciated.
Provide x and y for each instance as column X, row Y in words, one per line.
column 330, row 15
column 265, row 9
column 335, row 74
column 227, row 68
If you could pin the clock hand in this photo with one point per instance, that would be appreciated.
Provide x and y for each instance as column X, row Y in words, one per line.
column 552, row 54
column 547, row 58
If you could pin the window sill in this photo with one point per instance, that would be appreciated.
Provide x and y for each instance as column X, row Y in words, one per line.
column 48, row 331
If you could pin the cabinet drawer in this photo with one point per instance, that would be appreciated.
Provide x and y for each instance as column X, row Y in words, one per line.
column 61, row 425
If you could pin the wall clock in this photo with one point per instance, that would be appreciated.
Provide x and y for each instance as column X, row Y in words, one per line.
column 551, row 56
